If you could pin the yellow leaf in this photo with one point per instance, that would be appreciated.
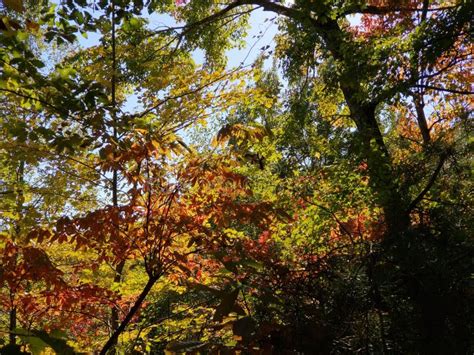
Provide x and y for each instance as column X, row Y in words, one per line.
column 32, row 26
column 141, row 130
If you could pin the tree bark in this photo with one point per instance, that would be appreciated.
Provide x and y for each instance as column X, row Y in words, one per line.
column 421, row 118
column 114, row 317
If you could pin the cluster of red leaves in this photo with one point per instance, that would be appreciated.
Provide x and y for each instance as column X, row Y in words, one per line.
column 358, row 229
column 41, row 295
column 22, row 264
column 393, row 13
column 99, row 230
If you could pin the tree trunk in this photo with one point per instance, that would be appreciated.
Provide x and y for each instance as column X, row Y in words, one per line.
column 136, row 306
column 362, row 109
column 343, row 50
column 114, row 317
column 421, row 118
column 20, row 199
column 12, row 325
column 382, row 177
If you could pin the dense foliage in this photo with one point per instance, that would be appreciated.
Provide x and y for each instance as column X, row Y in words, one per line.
column 316, row 200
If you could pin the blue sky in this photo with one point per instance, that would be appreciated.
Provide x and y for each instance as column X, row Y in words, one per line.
column 261, row 33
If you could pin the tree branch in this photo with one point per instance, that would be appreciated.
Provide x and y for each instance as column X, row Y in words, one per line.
column 430, row 183
column 138, row 303
column 385, row 10
column 453, row 91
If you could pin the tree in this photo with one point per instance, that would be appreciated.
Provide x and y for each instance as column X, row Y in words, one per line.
column 388, row 59
column 328, row 213
column 322, row 28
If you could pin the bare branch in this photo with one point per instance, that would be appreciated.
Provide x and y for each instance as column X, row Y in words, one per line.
column 453, row 91
column 385, row 10
column 430, row 183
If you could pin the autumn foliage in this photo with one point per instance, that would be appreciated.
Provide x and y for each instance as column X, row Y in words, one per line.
column 314, row 198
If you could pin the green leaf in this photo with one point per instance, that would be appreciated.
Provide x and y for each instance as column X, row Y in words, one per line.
column 37, row 63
